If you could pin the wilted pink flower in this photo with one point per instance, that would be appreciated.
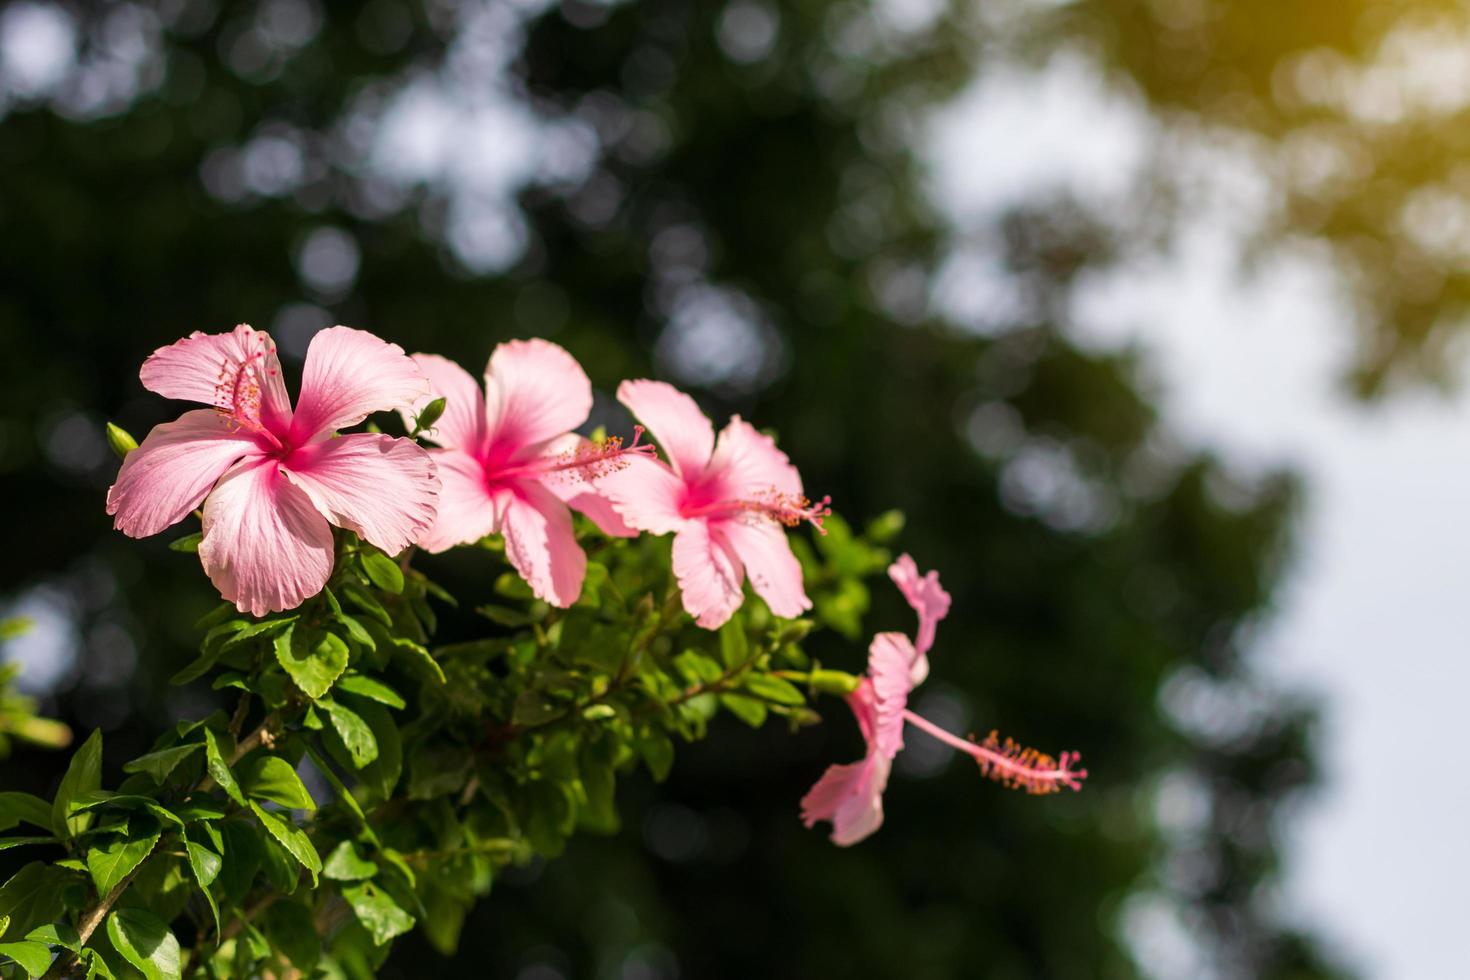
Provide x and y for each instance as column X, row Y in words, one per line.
column 510, row 463
column 728, row 504
column 850, row 796
column 273, row 480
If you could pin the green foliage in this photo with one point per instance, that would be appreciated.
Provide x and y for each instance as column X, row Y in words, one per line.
column 511, row 744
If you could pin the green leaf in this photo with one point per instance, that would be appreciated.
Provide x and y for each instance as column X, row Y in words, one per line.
column 269, row 777
column 382, row 571
column 206, row 866
column 159, row 764
column 117, row 857
column 749, row 710
column 34, row 958
column 420, row 661
column 774, row 689
column 734, row 646
column 143, row 940
column 33, row 896
column 6, row 843
column 56, row 934
column 374, row 690
column 354, row 732
column 355, row 630
column 292, row 838
column 345, row 864
column 188, row 544
column 657, row 750
column 18, row 807
column 83, row 775
column 379, row 914
column 292, row 929
column 219, row 769
column 344, row 795
column 367, row 602
column 312, row 665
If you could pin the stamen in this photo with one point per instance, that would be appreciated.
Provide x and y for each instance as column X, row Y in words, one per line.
column 1013, row 766
column 790, row 509
column 589, row 461
column 237, row 391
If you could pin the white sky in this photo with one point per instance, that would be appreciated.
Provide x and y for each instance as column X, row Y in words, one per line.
column 1374, row 614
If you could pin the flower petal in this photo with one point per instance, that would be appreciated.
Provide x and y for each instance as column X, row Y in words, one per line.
column 540, row 543
column 748, row 462
column 462, row 426
column 646, row 494
column 265, row 547
column 850, row 797
column 709, row 574
column 172, row 471
column 929, row 600
column 236, row 371
column 890, row 656
column 673, row 419
column 465, row 512
column 773, row 570
column 382, row 488
column 534, row 391
column 349, row 374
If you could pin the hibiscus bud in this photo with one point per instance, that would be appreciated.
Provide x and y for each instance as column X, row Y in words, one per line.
column 836, row 682
column 886, row 526
column 120, row 440
column 426, row 419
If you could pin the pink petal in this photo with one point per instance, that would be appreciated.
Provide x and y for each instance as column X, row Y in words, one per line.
column 850, row 797
column 534, row 391
column 646, row 494
column 709, row 575
column 466, row 513
column 265, row 547
column 462, row 426
column 674, row 419
column 540, row 543
column 928, row 599
column 890, row 656
column 574, row 490
column 382, row 488
column 236, row 371
column 748, row 462
column 350, row 374
column 773, row 570
column 169, row 474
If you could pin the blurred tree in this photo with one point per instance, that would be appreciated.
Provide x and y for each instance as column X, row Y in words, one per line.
column 727, row 195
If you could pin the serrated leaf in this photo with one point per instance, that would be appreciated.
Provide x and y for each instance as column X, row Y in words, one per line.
column 55, row 934
column 354, row 732
column 379, row 914
column 34, row 958
column 269, row 777
column 419, row 660
column 313, row 662
column 83, row 775
column 112, row 860
column 143, row 940
column 219, row 769
column 345, row 864
column 292, row 838
column 159, row 764
column 383, row 571
column 367, row 687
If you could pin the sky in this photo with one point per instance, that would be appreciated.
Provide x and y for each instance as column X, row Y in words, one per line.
column 1373, row 616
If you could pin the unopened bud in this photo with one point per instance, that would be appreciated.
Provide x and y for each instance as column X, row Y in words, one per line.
column 426, row 418
column 120, row 440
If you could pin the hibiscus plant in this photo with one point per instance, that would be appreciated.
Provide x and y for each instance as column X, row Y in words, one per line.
column 369, row 780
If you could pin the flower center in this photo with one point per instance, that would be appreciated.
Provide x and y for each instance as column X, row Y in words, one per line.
column 239, row 392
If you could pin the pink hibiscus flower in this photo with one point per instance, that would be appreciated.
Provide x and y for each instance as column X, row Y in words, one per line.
column 850, row 796
column 272, row 479
column 728, row 504
column 511, row 465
